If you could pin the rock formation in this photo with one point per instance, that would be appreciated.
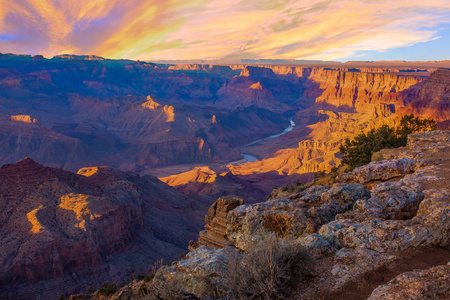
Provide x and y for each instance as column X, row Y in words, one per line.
column 24, row 118
column 215, row 233
column 433, row 100
column 211, row 184
column 427, row 284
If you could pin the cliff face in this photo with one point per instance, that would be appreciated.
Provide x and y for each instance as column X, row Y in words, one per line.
column 56, row 224
column 433, row 100
column 342, row 104
column 359, row 92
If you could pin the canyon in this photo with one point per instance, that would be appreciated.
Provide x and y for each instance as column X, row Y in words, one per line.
column 124, row 158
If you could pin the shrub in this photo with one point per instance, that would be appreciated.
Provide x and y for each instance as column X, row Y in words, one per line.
column 107, row 289
column 142, row 290
column 277, row 224
column 358, row 152
column 149, row 277
column 90, row 290
column 267, row 270
column 140, row 277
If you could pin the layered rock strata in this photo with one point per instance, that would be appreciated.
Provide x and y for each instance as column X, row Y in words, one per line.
column 215, row 233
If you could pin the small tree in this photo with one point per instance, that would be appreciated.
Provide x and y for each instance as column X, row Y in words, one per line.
column 107, row 289
column 358, row 152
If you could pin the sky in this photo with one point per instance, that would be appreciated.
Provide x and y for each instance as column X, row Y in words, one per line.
column 228, row 29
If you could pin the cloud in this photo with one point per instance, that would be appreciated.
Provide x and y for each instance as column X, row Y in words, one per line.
column 211, row 29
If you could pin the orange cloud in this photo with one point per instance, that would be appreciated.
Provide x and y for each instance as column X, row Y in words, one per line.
column 172, row 29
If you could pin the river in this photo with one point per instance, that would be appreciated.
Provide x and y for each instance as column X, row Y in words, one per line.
column 250, row 158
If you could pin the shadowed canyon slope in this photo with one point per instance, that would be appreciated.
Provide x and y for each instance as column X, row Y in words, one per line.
column 62, row 231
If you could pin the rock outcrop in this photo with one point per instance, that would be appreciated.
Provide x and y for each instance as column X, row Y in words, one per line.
column 199, row 273
column 215, row 233
column 293, row 217
column 211, row 184
column 24, row 118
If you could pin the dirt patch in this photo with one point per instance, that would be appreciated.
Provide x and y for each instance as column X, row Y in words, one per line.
column 410, row 260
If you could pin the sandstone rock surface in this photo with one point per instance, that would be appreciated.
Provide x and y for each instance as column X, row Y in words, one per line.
column 215, row 233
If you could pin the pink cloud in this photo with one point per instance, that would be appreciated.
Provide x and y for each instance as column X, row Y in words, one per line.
column 173, row 29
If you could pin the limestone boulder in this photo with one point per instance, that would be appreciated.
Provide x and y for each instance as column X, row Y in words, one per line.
column 378, row 171
column 200, row 273
column 293, row 217
column 433, row 283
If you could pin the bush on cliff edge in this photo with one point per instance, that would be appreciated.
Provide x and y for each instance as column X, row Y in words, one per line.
column 358, row 152
column 267, row 269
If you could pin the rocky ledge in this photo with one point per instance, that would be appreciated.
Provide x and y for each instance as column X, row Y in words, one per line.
column 367, row 233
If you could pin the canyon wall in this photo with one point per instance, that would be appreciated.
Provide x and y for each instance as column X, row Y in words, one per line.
column 61, row 231
column 345, row 103
column 98, row 112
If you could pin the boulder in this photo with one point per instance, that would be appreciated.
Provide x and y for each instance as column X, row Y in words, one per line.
column 200, row 273
column 433, row 283
column 293, row 217
column 378, row 171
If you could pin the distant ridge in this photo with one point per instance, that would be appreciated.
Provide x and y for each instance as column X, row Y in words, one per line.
column 81, row 57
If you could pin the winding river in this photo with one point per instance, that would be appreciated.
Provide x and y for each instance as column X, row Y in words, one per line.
column 250, row 158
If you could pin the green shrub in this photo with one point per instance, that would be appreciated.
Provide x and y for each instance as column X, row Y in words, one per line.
column 140, row 277
column 90, row 290
column 142, row 290
column 107, row 289
column 358, row 152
